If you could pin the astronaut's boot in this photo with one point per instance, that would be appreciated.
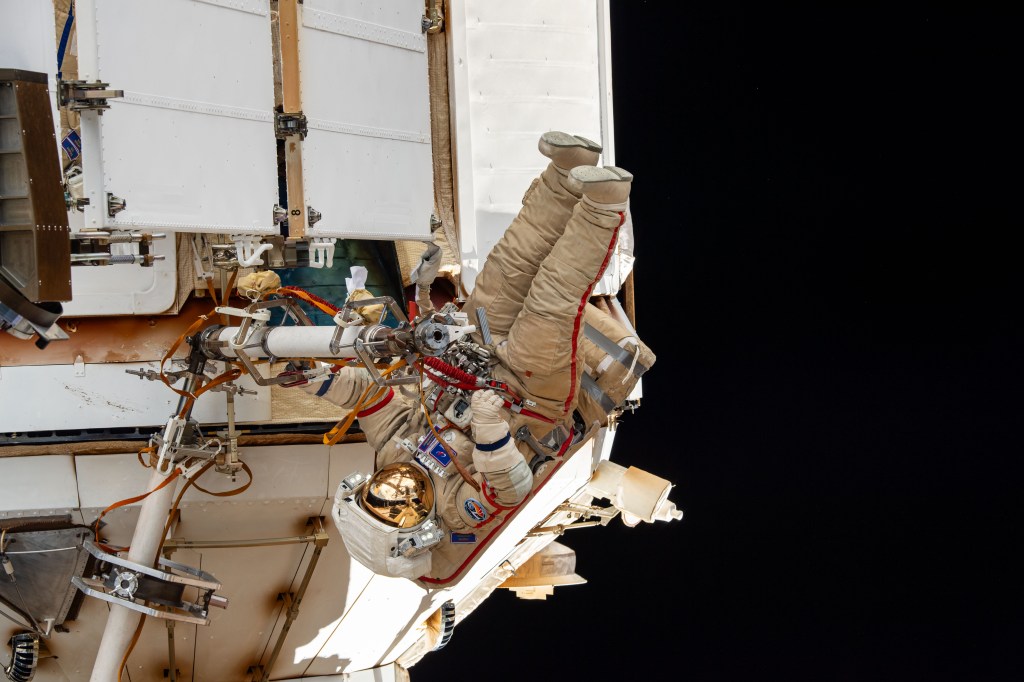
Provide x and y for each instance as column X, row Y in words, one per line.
column 605, row 188
column 568, row 151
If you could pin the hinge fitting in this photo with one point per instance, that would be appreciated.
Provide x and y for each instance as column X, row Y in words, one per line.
column 312, row 216
column 290, row 124
column 115, row 205
column 433, row 20
column 280, row 214
column 85, row 95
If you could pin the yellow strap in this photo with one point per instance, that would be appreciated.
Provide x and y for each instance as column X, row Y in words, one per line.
column 298, row 293
column 342, row 427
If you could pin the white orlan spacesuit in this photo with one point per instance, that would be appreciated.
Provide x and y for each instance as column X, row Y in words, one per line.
column 439, row 483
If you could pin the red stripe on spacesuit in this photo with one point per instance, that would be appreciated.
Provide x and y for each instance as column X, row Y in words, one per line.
column 384, row 401
column 501, row 522
column 488, row 494
column 579, row 312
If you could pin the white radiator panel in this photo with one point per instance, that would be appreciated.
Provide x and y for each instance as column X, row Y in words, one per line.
column 27, row 38
column 518, row 70
column 190, row 146
column 366, row 162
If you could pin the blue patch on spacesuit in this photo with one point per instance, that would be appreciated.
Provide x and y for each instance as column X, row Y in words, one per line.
column 463, row 538
column 432, row 447
column 475, row 509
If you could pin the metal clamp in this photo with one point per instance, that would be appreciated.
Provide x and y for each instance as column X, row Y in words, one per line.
column 280, row 214
column 132, row 585
column 259, row 312
column 169, row 442
column 313, row 216
column 115, row 204
column 202, row 253
column 290, row 124
column 251, row 315
column 85, row 95
column 433, row 21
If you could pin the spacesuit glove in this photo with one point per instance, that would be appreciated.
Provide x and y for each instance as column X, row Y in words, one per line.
column 430, row 264
column 322, row 382
column 489, row 424
column 496, row 455
column 301, row 372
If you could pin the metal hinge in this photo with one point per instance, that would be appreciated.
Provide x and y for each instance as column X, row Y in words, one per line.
column 85, row 95
column 312, row 216
column 433, row 20
column 93, row 247
column 115, row 204
column 290, row 124
column 280, row 214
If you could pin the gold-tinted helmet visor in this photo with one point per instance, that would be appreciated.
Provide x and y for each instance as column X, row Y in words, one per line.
column 400, row 494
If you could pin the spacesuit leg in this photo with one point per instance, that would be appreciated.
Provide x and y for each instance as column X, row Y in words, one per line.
column 542, row 347
column 512, row 264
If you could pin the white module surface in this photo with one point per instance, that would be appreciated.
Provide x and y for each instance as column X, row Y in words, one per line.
column 68, row 397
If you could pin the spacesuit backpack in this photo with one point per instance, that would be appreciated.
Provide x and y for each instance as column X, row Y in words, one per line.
column 614, row 360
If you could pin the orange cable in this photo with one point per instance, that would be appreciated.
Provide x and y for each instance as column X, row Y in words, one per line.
column 130, row 500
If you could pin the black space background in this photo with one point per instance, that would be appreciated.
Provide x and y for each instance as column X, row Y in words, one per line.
column 824, row 202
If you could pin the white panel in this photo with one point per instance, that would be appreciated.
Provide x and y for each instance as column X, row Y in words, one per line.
column 278, row 472
column 54, row 397
column 45, row 483
column 191, row 145
column 252, row 579
column 366, row 162
column 27, row 38
column 347, row 459
column 382, row 603
column 28, row 42
column 105, row 479
column 518, row 70
column 125, row 289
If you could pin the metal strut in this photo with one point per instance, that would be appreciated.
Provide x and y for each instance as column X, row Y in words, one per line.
column 293, row 601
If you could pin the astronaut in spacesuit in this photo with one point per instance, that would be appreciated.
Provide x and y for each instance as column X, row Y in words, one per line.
column 435, row 478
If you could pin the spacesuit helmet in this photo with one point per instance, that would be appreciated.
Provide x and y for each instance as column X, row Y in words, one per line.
column 400, row 494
